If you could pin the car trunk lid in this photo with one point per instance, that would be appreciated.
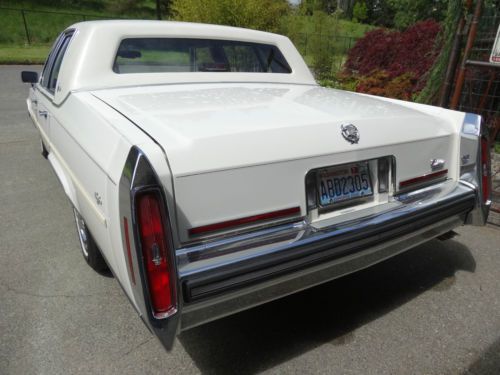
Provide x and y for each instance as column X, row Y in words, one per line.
column 237, row 150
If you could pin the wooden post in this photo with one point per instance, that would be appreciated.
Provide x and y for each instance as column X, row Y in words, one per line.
column 444, row 96
column 470, row 41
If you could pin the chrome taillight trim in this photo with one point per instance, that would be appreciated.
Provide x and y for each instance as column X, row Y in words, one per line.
column 138, row 176
column 471, row 166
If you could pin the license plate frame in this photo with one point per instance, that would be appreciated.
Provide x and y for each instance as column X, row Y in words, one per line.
column 335, row 174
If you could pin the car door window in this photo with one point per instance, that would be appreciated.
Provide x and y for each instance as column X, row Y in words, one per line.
column 54, row 74
column 44, row 81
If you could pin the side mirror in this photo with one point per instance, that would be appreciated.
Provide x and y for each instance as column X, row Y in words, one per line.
column 29, row 77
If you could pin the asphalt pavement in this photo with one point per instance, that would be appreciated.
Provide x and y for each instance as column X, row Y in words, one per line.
column 432, row 310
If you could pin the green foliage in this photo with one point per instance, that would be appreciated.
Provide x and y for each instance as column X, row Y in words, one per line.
column 359, row 12
column 408, row 12
column 308, row 7
column 341, row 80
column 431, row 90
column 323, row 39
column 321, row 56
column 330, row 24
column 256, row 14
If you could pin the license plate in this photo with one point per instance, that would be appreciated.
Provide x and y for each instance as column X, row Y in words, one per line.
column 343, row 183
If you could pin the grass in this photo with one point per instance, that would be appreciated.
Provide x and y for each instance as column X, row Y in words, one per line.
column 43, row 26
column 337, row 35
column 24, row 54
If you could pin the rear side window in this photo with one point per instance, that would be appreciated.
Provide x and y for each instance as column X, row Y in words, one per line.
column 53, row 64
column 149, row 55
column 54, row 74
column 46, row 70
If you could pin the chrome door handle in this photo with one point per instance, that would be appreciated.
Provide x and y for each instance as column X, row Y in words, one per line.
column 43, row 113
column 34, row 101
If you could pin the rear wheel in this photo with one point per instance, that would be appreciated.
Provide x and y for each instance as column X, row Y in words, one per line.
column 90, row 251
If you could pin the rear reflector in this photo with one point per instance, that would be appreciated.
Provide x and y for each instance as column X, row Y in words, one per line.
column 155, row 253
column 245, row 220
column 423, row 179
column 485, row 169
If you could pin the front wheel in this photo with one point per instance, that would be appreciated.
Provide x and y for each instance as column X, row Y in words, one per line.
column 90, row 251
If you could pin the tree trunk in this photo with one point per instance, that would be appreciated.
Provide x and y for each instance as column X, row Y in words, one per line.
column 346, row 7
column 158, row 9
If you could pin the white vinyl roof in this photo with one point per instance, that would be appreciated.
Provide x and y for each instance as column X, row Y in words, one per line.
column 89, row 59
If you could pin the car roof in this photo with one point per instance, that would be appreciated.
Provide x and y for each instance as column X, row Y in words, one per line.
column 88, row 62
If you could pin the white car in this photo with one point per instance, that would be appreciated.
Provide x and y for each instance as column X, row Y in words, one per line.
column 211, row 173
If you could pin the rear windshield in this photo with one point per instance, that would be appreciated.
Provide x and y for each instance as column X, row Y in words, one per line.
column 153, row 55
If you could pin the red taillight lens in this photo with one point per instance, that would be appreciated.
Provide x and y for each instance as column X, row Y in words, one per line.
column 245, row 220
column 155, row 253
column 424, row 178
column 485, row 168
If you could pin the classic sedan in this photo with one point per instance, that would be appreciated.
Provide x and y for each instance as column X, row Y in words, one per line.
column 210, row 173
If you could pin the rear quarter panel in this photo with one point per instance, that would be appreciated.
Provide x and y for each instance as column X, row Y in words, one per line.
column 88, row 152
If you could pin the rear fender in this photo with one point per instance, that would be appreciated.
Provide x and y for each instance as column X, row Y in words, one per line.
column 64, row 179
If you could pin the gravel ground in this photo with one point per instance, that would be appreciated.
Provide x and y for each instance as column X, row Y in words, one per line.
column 432, row 310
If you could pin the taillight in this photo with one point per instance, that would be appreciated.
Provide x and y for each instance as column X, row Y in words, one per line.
column 155, row 253
column 426, row 178
column 485, row 169
column 279, row 214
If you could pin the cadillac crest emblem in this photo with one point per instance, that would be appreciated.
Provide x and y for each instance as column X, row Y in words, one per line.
column 350, row 133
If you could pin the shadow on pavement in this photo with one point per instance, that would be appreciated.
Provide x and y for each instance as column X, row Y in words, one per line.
column 265, row 336
column 488, row 363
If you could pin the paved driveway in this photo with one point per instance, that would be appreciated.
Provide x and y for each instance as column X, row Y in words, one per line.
column 432, row 310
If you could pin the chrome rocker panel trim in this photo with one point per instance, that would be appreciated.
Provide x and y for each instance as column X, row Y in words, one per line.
column 231, row 275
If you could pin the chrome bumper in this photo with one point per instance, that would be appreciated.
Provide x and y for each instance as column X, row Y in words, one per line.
column 233, row 274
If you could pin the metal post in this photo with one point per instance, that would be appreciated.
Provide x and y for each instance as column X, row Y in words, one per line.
column 26, row 27
column 470, row 41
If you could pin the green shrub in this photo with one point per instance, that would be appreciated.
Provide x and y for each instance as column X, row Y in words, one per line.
column 359, row 12
column 256, row 14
